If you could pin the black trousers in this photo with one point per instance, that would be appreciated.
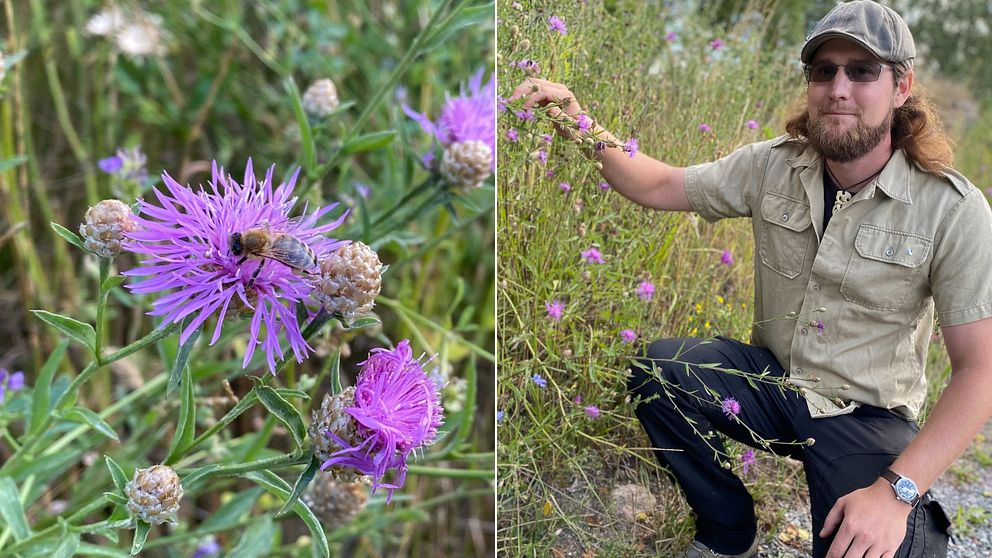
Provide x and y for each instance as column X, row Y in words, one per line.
column 849, row 451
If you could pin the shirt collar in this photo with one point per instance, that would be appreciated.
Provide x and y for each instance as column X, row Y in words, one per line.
column 894, row 179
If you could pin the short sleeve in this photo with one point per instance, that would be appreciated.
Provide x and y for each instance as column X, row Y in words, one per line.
column 961, row 271
column 729, row 186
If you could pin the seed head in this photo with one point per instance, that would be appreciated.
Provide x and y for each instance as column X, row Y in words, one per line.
column 467, row 163
column 332, row 418
column 321, row 98
column 335, row 501
column 350, row 279
column 154, row 494
column 104, row 226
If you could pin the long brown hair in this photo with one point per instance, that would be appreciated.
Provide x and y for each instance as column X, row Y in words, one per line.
column 916, row 129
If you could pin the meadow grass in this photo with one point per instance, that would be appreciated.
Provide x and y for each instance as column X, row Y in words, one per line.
column 653, row 71
column 226, row 87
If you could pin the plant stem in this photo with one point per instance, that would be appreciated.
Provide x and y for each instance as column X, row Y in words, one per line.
column 269, row 463
column 101, row 306
column 471, row 474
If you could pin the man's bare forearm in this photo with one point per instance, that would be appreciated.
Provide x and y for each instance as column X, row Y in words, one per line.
column 643, row 180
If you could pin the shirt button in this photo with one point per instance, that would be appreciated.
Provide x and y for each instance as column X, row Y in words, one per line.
column 889, row 251
column 803, row 331
column 799, row 371
column 785, row 217
column 816, row 288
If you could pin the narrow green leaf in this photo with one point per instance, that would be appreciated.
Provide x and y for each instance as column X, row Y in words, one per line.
column 69, row 236
column 278, row 487
column 87, row 549
column 41, row 400
column 301, row 484
column 115, row 498
column 335, row 373
column 459, row 19
column 257, row 540
column 181, row 359
column 290, row 392
column 140, row 534
column 306, row 134
column 187, row 420
column 190, row 479
column 67, row 548
column 360, row 323
column 8, row 164
column 112, row 283
column 76, row 330
column 368, row 142
column 116, row 473
column 232, row 512
column 11, row 510
column 286, row 412
column 86, row 416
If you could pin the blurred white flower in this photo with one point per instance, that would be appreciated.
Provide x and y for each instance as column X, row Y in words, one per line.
column 135, row 32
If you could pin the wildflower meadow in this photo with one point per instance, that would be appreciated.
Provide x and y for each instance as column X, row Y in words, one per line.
column 587, row 278
column 247, row 279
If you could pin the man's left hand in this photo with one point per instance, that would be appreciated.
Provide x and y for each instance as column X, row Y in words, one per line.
column 872, row 523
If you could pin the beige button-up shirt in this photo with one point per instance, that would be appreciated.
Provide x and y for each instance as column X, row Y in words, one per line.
column 848, row 311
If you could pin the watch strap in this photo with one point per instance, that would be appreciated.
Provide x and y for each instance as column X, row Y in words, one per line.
column 893, row 478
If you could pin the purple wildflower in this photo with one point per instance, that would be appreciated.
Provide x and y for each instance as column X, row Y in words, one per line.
column 671, row 37
column 501, row 103
column 555, row 309
column 747, row 459
column 716, row 44
column 604, row 185
column 578, row 399
column 541, row 382
column 585, row 123
column 645, row 290
column 110, row 165
column 592, row 411
column 397, row 410
column 592, row 255
column 512, row 135
column 470, row 116
column 547, row 138
column 499, row 416
column 525, row 115
column 542, row 156
column 752, row 124
column 427, row 160
column 191, row 266
column 565, row 187
column 10, row 381
column 705, row 128
column 731, row 407
column 550, row 173
column 555, row 23
column 362, row 188
column 631, row 147
column 628, row 335
column 208, row 547
column 726, row 258
column 820, row 327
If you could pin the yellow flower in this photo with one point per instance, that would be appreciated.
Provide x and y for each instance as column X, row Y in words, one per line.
column 719, row 299
column 693, row 331
column 699, row 308
column 707, row 324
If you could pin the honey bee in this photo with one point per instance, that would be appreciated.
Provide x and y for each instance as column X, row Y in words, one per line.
column 260, row 243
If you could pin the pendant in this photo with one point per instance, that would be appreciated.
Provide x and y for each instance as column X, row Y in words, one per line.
column 843, row 197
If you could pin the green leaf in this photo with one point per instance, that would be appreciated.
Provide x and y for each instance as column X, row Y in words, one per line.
column 335, row 373
column 116, row 473
column 181, row 359
column 87, row 549
column 70, row 236
column 115, row 498
column 8, row 164
column 11, row 510
column 140, row 534
column 368, row 142
column 190, row 479
column 187, row 420
column 231, row 512
column 278, row 487
column 67, row 548
column 306, row 135
column 301, row 484
column 459, row 19
column 76, row 330
column 256, row 541
column 42, row 398
column 360, row 323
column 86, row 416
column 112, row 283
column 287, row 413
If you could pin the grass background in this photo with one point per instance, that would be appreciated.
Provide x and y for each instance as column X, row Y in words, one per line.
column 559, row 468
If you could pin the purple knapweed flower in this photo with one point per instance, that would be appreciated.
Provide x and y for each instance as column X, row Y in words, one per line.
column 604, row 185
column 190, row 264
column 397, row 410
column 671, row 36
column 208, row 547
column 628, row 335
column 565, row 187
column 499, row 416
column 362, row 188
column 110, row 165
column 716, row 44
column 525, row 115
column 631, row 147
column 645, row 290
column 731, row 407
column 512, row 135
column 542, row 156
column 578, row 399
column 752, row 124
column 726, row 258
column 555, row 23
column 471, row 116
column 584, row 123
column 501, row 104
column 747, row 459
column 705, row 128
column 10, row 381
column 550, row 173
column 555, row 309
column 820, row 328
column 592, row 255
column 541, row 382
column 592, row 411
column 547, row 138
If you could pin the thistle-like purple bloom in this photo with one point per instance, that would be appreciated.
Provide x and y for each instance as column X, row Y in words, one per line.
column 604, row 185
column 631, row 147
column 190, row 265
column 716, row 44
column 820, row 328
column 555, row 309
column 726, row 258
column 747, row 459
column 397, row 410
column 110, row 165
column 565, row 187
column 645, row 290
column 512, row 135
column 10, row 381
column 752, row 124
column 584, row 123
column 592, row 411
column 628, row 335
column 671, row 36
column 731, row 407
column 525, row 115
column 555, row 23
column 542, row 156
column 470, row 116
column 547, row 138
column 705, row 128
column 208, row 547
column 592, row 255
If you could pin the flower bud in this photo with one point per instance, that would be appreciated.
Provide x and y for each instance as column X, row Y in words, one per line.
column 332, row 418
column 467, row 163
column 154, row 494
column 350, row 279
column 334, row 501
column 321, row 98
column 104, row 226
column 525, row 44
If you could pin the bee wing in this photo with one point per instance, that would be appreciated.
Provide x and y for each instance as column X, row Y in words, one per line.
column 291, row 252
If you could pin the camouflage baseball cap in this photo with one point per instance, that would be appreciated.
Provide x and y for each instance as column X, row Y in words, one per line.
column 877, row 28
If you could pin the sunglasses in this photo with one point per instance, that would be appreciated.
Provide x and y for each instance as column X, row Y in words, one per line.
column 860, row 72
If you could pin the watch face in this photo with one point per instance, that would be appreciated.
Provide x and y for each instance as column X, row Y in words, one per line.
column 906, row 489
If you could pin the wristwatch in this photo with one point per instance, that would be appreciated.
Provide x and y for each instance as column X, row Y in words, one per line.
column 904, row 487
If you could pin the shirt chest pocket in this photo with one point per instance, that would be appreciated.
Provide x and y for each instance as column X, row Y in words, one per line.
column 785, row 235
column 884, row 267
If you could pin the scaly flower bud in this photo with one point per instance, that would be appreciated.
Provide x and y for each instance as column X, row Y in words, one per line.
column 467, row 163
column 321, row 98
column 332, row 418
column 104, row 226
column 335, row 502
column 154, row 494
column 350, row 279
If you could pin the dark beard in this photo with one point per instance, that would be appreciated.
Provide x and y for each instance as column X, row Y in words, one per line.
column 852, row 144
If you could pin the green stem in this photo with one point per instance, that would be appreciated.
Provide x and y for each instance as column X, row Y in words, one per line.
column 426, row 184
column 471, row 474
column 435, row 199
column 414, row 316
column 269, row 463
column 101, row 306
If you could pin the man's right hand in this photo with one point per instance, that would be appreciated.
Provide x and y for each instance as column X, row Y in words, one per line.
column 541, row 93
